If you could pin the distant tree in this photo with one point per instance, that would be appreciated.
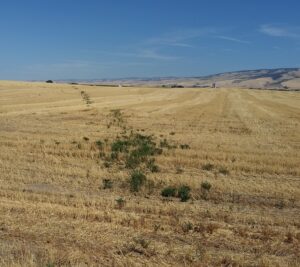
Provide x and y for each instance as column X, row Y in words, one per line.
column 49, row 81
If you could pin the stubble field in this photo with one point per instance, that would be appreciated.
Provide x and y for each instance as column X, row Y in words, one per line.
column 66, row 192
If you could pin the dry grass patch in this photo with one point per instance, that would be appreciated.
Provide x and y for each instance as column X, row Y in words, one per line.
column 96, row 176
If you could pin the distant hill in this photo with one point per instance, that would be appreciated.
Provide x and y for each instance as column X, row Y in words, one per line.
column 264, row 78
column 284, row 79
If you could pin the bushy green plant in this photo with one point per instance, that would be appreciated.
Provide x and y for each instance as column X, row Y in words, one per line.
column 184, row 193
column 169, row 191
column 137, row 180
column 146, row 149
column 120, row 146
column 132, row 160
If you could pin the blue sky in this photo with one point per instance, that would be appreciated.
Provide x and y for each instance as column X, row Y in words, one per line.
column 85, row 39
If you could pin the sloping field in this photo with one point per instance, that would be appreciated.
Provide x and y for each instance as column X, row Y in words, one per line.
column 66, row 198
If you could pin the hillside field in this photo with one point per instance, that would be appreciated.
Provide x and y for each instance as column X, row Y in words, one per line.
column 70, row 155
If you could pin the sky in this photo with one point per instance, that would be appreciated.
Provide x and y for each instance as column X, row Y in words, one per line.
column 96, row 39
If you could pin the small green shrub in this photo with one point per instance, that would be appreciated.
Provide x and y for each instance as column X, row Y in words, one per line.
column 164, row 144
column 169, row 191
column 205, row 186
column 207, row 167
column 158, row 151
column 137, row 180
column 146, row 149
column 150, row 186
column 142, row 242
column 132, row 160
column 114, row 156
column 116, row 113
column 152, row 166
column 99, row 144
column 280, row 204
column 107, row 184
column 120, row 146
column 120, row 203
column 186, row 227
column 185, row 146
column 184, row 193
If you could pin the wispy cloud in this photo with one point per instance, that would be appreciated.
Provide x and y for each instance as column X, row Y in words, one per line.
column 141, row 53
column 232, row 39
column 157, row 48
column 181, row 45
column 179, row 38
column 280, row 31
column 152, row 54
column 154, row 48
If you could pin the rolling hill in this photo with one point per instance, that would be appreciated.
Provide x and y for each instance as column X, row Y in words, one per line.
column 283, row 79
